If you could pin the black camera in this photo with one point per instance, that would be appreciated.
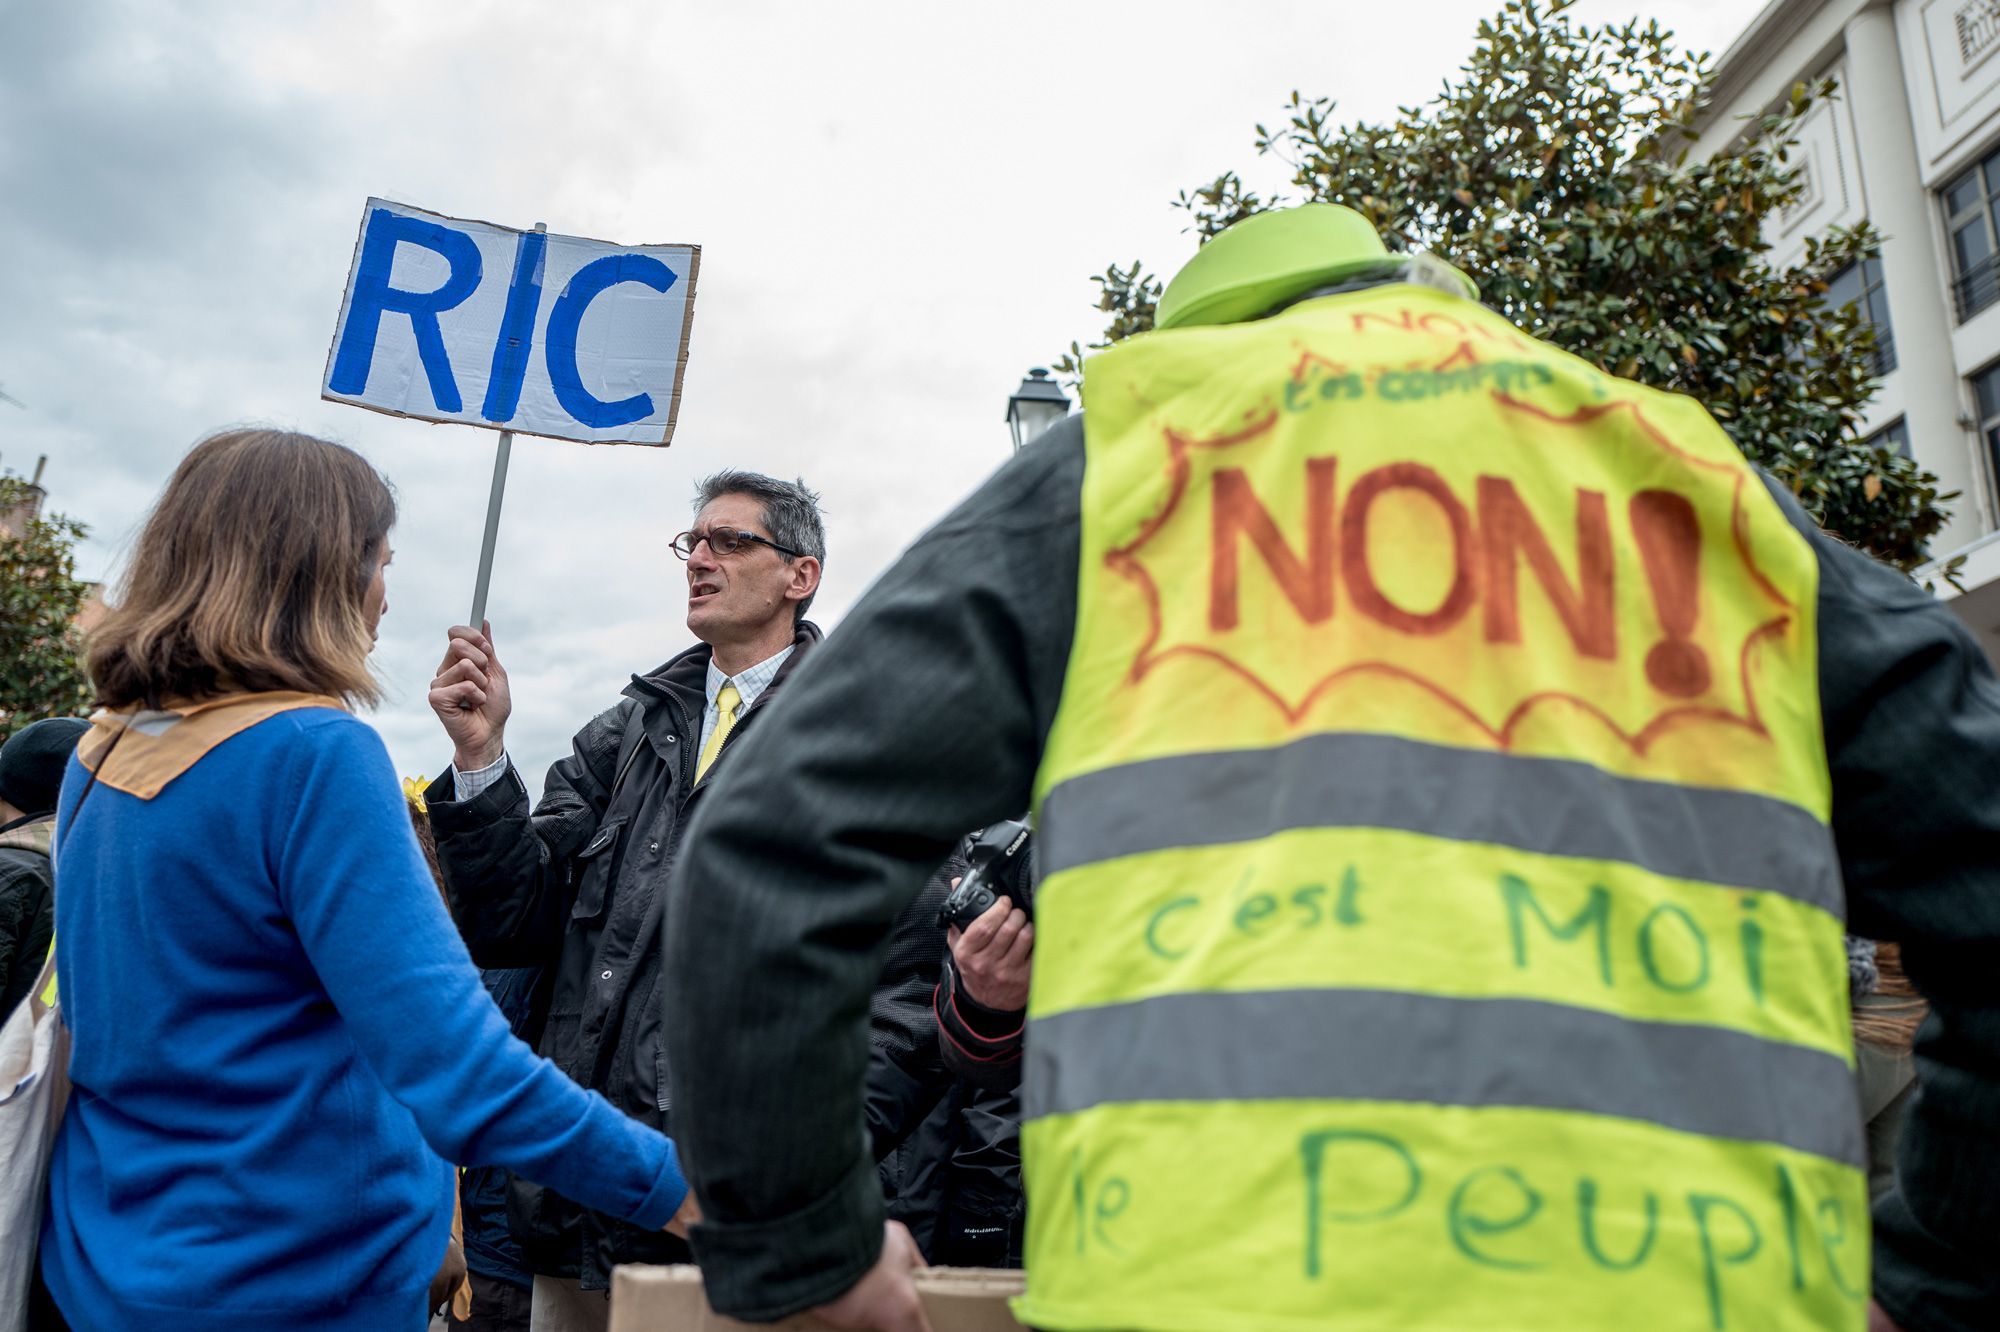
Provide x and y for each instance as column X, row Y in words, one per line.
column 1001, row 865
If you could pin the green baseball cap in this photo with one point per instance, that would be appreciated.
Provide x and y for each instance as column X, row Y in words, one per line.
column 1256, row 264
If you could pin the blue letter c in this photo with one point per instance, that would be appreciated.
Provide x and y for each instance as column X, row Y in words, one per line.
column 590, row 281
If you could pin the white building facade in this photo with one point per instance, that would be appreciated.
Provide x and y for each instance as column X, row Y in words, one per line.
column 1911, row 142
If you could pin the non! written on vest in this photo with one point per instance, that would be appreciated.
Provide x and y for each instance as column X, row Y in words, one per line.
column 1489, row 543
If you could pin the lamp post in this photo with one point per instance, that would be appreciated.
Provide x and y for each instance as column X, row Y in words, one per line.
column 1038, row 404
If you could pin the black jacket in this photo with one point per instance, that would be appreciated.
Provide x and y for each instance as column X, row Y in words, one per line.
column 975, row 624
column 907, row 1075
column 27, row 909
column 575, row 887
column 956, row 1183
column 956, row 1180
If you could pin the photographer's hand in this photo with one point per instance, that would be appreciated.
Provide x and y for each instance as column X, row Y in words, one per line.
column 994, row 956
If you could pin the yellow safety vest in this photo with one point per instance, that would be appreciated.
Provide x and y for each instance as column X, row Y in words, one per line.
column 1441, row 928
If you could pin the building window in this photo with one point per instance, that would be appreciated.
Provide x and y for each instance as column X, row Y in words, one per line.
column 1968, row 208
column 1895, row 437
column 1986, row 388
column 1860, row 285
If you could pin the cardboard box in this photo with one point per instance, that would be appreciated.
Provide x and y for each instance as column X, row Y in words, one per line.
column 670, row 1299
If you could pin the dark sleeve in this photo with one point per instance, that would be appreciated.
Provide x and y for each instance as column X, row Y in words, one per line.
column 980, row 1044
column 506, row 870
column 919, row 721
column 906, row 1076
column 1911, row 712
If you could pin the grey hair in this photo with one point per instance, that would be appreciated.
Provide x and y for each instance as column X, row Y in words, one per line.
column 791, row 512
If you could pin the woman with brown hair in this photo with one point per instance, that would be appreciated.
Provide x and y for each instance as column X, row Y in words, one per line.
column 249, row 945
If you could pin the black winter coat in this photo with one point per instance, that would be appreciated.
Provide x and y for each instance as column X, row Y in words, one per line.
column 907, row 1075
column 574, row 888
column 959, row 1187
column 27, row 909
column 956, row 1183
column 577, row 887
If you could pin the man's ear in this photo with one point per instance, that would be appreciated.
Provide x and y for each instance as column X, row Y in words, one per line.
column 805, row 579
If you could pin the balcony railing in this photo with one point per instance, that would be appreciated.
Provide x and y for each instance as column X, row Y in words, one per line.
column 1976, row 288
column 1883, row 359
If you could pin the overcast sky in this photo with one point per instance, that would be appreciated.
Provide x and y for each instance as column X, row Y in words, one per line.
column 899, row 208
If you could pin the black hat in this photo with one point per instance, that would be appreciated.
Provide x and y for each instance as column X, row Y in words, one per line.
column 32, row 763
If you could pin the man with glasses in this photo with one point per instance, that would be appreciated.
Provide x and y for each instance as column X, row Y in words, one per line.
column 574, row 886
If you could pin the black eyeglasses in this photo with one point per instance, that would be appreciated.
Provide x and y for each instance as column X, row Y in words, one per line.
column 725, row 541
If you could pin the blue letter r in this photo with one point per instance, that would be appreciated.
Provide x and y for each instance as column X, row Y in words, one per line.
column 373, row 296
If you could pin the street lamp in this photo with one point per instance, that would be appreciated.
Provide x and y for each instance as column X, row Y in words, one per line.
column 1038, row 404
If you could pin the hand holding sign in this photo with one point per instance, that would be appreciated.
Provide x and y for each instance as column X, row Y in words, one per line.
column 444, row 320
column 885, row 1299
column 472, row 698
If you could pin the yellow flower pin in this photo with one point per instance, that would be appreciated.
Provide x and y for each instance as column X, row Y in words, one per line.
column 413, row 791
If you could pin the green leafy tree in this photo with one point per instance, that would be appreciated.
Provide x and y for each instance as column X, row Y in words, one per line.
column 41, row 668
column 1555, row 168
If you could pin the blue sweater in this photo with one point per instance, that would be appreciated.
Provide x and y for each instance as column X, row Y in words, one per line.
column 279, row 1041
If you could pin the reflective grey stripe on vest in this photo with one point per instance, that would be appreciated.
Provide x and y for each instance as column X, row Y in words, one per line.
column 1378, row 1045
column 1554, row 806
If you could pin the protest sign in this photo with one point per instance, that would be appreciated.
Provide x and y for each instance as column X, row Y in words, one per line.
column 451, row 320
column 670, row 1299
column 445, row 320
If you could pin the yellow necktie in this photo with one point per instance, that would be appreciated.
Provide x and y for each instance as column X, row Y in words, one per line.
column 725, row 706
